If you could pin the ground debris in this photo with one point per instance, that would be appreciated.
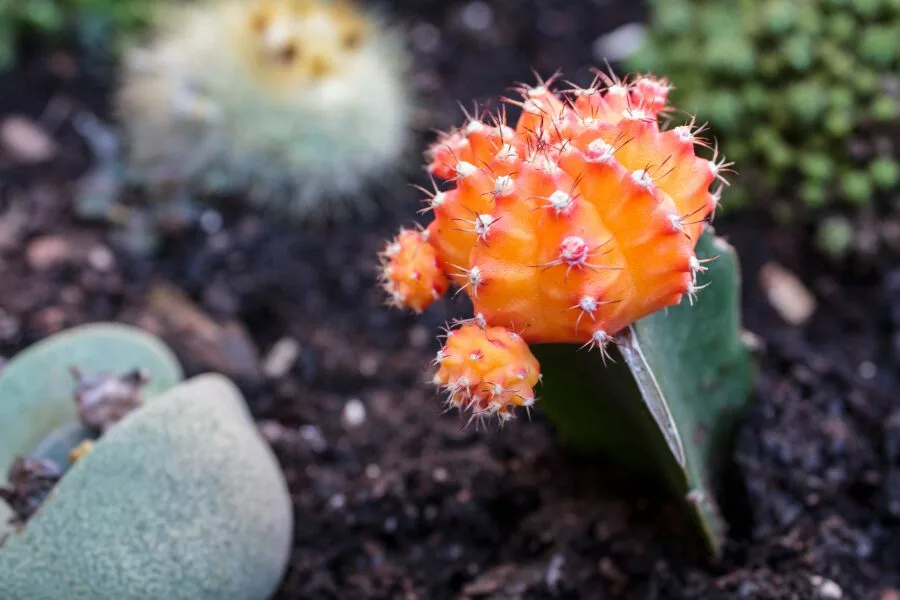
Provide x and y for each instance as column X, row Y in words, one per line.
column 30, row 482
column 226, row 348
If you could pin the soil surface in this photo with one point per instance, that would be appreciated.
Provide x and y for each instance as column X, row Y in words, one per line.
column 399, row 501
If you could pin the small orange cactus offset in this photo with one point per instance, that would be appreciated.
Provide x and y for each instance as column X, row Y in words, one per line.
column 487, row 370
column 410, row 273
column 579, row 219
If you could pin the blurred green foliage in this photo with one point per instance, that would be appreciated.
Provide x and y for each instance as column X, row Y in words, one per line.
column 793, row 89
column 97, row 25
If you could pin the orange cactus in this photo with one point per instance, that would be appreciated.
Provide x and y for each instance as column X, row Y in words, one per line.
column 580, row 219
column 410, row 273
column 487, row 370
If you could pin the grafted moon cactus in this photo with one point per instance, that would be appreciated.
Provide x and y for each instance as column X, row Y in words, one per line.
column 567, row 227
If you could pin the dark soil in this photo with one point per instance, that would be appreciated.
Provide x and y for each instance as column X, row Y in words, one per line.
column 409, row 504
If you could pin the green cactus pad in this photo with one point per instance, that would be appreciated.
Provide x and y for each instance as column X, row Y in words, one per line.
column 181, row 500
column 36, row 387
column 667, row 408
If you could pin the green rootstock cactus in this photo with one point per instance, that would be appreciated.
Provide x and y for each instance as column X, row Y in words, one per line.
column 792, row 86
column 681, row 386
column 581, row 229
column 181, row 498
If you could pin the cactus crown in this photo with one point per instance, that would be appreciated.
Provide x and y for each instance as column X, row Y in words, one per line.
column 567, row 226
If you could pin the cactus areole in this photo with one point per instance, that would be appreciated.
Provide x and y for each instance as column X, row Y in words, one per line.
column 565, row 227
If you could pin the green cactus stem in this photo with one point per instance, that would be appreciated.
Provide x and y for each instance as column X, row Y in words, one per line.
column 666, row 409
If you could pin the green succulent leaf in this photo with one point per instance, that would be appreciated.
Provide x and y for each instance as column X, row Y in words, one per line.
column 182, row 500
column 885, row 172
column 824, row 66
column 667, row 410
column 36, row 386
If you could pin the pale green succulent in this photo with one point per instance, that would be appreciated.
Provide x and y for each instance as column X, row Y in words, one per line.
column 182, row 499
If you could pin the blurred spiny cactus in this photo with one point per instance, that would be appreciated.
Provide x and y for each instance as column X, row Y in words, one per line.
column 570, row 231
column 800, row 90
column 297, row 104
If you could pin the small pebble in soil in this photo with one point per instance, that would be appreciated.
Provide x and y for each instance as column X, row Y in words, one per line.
column 354, row 413
column 787, row 294
column 272, row 431
column 368, row 365
column 25, row 142
column 101, row 258
column 826, row 588
column 211, row 221
column 337, row 502
column 554, row 571
column 9, row 326
column 477, row 16
column 47, row 252
column 313, row 436
column 281, row 358
column 867, row 370
column 13, row 222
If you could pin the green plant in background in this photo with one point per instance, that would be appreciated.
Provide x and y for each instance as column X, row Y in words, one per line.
column 99, row 26
column 173, row 492
column 583, row 227
column 43, row 16
column 297, row 105
column 799, row 89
